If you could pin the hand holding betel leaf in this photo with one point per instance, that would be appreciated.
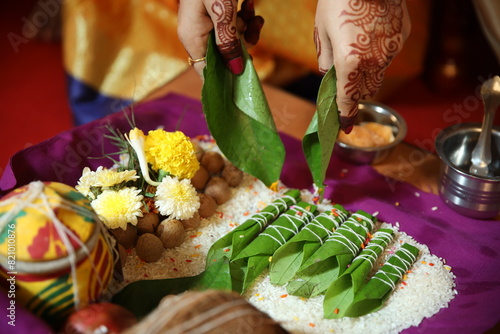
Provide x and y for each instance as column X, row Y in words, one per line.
column 239, row 118
column 232, row 28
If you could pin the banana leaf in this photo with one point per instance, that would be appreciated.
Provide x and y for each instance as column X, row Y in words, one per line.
column 239, row 117
column 254, row 259
column 339, row 296
column 232, row 243
column 333, row 257
column 372, row 296
column 320, row 137
column 289, row 257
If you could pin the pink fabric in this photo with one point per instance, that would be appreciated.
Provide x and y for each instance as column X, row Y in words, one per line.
column 471, row 247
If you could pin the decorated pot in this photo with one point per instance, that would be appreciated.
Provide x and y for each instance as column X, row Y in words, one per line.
column 55, row 255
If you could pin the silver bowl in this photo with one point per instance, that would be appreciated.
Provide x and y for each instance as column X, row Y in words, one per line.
column 470, row 195
column 379, row 113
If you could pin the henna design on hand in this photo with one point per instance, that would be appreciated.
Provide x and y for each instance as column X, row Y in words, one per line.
column 229, row 46
column 317, row 42
column 381, row 22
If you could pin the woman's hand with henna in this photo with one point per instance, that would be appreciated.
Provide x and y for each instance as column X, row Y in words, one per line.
column 360, row 38
column 197, row 18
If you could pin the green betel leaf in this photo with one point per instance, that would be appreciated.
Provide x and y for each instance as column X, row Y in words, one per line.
column 217, row 276
column 372, row 295
column 142, row 297
column 321, row 135
column 232, row 243
column 252, row 260
column 333, row 257
column 239, row 118
column 340, row 294
column 289, row 257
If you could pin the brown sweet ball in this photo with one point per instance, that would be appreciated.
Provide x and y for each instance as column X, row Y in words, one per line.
column 200, row 178
column 218, row 189
column 207, row 205
column 173, row 233
column 147, row 223
column 198, row 150
column 212, row 161
column 127, row 238
column 232, row 175
column 149, row 247
column 192, row 223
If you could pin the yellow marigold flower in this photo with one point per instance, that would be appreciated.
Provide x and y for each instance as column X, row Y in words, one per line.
column 176, row 198
column 117, row 208
column 171, row 152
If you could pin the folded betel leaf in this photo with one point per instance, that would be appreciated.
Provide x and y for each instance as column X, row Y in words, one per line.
column 254, row 258
column 239, row 117
column 340, row 294
column 289, row 257
column 216, row 276
column 333, row 257
column 232, row 243
column 373, row 294
column 321, row 134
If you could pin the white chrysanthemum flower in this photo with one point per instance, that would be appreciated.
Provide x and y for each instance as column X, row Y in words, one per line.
column 177, row 198
column 87, row 180
column 117, row 208
column 107, row 178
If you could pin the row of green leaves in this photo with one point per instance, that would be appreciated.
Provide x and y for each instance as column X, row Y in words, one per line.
column 284, row 236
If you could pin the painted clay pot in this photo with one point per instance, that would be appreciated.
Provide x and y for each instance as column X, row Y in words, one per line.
column 55, row 254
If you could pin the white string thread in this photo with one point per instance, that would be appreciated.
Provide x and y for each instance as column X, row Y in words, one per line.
column 385, row 276
column 295, row 219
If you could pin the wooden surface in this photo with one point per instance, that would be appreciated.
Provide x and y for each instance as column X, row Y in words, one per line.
column 292, row 116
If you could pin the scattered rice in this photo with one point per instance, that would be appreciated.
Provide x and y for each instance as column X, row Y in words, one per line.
column 427, row 287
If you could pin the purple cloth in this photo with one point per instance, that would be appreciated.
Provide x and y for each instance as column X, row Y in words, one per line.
column 16, row 319
column 469, row 246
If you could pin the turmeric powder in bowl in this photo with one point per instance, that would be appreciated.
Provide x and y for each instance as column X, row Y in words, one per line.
column 368, row 134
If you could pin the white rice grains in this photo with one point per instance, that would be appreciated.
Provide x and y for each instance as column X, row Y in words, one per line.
column 406, row 307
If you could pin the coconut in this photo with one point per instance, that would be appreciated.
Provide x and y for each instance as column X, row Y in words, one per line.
column 195, row 311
